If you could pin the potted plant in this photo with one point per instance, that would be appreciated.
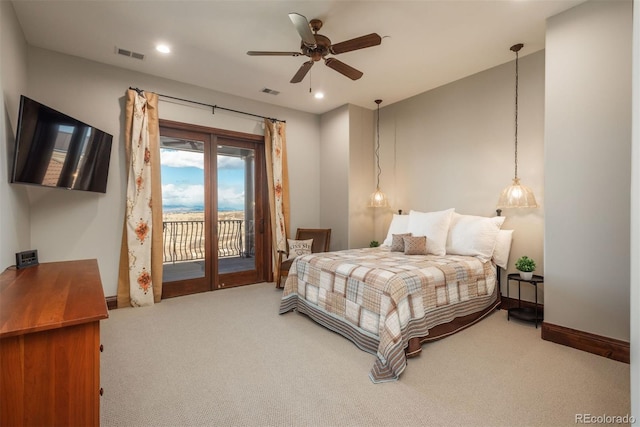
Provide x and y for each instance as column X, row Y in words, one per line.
column 374, row 244
column 525, row 266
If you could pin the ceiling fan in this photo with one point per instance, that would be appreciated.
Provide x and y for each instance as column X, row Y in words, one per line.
column 317, row 47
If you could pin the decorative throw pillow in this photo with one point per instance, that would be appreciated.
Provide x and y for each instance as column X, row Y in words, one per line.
column 299, row 247
column 415, row 245
column 473, row 235
column 397, row 243
column 434, row 226
column 399, row 224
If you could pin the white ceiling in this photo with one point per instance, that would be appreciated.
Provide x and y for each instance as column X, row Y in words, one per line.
column 425, row 43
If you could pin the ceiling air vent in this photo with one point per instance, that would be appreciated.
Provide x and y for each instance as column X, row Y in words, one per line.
column 130, row 54
column 270, row 91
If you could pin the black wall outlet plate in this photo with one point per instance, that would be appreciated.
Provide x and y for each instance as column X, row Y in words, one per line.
column 26, row 259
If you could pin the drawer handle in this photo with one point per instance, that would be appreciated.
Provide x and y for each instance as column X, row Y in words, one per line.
column 101, row 391
column 101, row 348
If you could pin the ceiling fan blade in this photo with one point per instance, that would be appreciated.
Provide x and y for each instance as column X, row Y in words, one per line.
column 354, row 44
column 268, row 53
column 302, row 71
column 343, row 68
column 303, row 28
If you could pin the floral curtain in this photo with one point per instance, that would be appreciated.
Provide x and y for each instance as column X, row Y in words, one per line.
column 140, row 274
column 278, row 181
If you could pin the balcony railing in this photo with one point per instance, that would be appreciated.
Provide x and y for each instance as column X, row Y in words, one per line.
column 185, row 240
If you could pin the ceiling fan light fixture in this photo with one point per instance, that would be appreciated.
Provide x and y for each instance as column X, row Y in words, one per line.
column 318, row 95
column 317, row 46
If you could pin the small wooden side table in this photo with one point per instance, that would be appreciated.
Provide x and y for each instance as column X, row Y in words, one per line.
column 530, row 314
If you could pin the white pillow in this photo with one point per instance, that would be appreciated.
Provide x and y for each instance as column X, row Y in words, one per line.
column 502, row 249
column 298, row 248
column 473, row 235
column 433, row 225
column 399, row 225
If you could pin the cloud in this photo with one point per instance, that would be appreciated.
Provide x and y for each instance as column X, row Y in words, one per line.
column 181, row 159
column 184, row 159
column 228, row 197
column 227, row 162
column 192, row 197
column 188, row 196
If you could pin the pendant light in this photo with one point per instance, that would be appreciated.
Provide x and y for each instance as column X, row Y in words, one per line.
column 517, row 195
column 378, row 199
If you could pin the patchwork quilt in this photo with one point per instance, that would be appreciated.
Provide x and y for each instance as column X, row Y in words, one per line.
column 380, row 299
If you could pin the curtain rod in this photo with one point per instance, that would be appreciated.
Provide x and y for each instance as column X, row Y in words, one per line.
column 213, row 111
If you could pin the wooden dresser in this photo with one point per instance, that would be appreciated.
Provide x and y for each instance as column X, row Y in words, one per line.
column 50, row 344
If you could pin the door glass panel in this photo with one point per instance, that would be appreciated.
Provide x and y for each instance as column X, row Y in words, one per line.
column 183, row 201
column 236, row 209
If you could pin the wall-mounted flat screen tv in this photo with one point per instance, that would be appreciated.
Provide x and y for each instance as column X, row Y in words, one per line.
column 55, row 150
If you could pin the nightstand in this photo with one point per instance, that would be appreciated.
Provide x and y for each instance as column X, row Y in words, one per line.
column 530, row 314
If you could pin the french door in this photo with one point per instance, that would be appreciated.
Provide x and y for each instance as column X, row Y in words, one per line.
column 215, row 209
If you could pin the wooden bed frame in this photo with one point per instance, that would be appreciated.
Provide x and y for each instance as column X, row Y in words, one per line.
column 414, row 348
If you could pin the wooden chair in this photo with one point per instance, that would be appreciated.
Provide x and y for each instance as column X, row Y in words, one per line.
column 321, row 240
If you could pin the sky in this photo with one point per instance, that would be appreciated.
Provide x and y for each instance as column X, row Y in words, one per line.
column 183, row 181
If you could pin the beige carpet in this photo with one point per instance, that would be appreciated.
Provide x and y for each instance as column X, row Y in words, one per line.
column 226, row 358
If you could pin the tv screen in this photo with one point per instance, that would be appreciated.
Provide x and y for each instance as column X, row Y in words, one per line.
column 55, row 150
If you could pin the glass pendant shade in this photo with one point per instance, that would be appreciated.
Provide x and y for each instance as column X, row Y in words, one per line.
column 378, row 199
column 517, row 196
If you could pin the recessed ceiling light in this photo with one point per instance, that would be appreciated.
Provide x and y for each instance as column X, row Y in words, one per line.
column 318, row 95
column 163, row 48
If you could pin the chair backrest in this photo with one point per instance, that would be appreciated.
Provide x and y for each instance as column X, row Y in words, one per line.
column 321, row 238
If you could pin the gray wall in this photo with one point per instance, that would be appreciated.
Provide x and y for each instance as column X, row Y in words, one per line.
column 334, row 175
column 361, row 175
column 14, row 206
column 588, row 168
column 453, row 147
column 346, row 176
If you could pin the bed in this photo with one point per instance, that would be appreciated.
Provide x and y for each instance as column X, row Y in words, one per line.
column 390, row 299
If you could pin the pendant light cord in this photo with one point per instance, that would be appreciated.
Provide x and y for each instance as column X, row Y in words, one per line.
column 378, row 101
column 516, row 48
